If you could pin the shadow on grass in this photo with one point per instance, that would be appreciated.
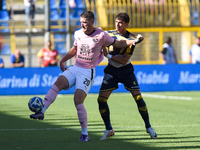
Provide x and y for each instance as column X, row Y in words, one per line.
column 185, row 147
column 27, row 134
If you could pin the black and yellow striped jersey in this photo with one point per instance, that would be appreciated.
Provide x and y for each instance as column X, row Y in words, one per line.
column 120, row 51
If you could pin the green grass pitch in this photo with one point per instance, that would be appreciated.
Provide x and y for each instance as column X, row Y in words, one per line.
column 175, row 116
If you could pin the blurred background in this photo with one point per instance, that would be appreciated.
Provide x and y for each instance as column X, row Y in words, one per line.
column 56, row 20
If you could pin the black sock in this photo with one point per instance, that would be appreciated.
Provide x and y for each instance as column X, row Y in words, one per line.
column 105, row 112
column 142, row 109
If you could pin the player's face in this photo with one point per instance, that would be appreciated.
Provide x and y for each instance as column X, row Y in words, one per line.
column 17, row 53
column 87, row 26
column 48, row 44
column 197, row 41
column 120, row 25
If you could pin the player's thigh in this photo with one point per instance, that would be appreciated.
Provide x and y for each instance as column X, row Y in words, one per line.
column 109, row 83
column 84, row 79
column 130, row 82
column 62, row 82
column 70, row 75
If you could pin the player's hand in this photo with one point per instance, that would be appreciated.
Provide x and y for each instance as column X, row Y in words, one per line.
column 104, row 51
column 139, row 38
column 62, row 66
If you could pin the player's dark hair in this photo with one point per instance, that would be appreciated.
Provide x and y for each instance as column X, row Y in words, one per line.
column 123, row 16
column 169, row 40
column 88, row 15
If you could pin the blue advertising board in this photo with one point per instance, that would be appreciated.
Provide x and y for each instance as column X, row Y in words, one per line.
column 151, row 78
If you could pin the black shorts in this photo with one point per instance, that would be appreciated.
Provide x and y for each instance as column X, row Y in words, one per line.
column 124, row 75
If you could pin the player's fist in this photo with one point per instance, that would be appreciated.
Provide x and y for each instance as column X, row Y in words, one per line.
column 140, row 38
column 104, row 51
column 62, row 66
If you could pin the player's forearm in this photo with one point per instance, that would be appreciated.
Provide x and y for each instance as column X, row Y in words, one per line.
column 120, row 60
column 68, row 56
column 39, row 61
column 123, row 44
column 17, row 65
column 190, row 59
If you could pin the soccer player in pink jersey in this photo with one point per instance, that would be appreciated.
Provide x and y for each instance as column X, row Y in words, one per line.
column 87, row 48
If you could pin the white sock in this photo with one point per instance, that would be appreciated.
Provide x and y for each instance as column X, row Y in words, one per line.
column 44, row 109
column 84, row 131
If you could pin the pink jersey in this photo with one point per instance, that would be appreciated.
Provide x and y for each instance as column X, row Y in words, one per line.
column 89, row 47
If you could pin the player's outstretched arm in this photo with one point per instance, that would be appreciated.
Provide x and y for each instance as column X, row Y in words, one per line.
column 126, row 43
column 122, row 60
column 71, row 53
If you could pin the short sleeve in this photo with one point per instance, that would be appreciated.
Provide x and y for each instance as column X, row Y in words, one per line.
column 40, row 53
column 75, row 40
column 12, row 59
column 1, row 61
column 108, row 40
column 22, row 58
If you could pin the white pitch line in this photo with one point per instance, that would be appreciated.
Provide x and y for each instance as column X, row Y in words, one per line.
column 168, row 97
column 164, row 126
column 130, row 127
column 33, row 129
column 126, row 94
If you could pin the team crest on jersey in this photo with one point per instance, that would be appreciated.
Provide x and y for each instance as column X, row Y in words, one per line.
column 95, row 40
column 85, row 50
column 79, row 38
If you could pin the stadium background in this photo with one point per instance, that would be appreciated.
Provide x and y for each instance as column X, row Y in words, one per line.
column 154, row 19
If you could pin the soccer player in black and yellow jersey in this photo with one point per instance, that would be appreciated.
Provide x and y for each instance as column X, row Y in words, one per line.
column 120, row 70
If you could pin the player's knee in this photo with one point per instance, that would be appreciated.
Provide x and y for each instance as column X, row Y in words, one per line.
column 140, row 102
column 62, row 82
column 138, row 97
column 102, row 101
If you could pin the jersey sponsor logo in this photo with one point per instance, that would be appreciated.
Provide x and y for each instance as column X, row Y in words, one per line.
column 85, row 58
